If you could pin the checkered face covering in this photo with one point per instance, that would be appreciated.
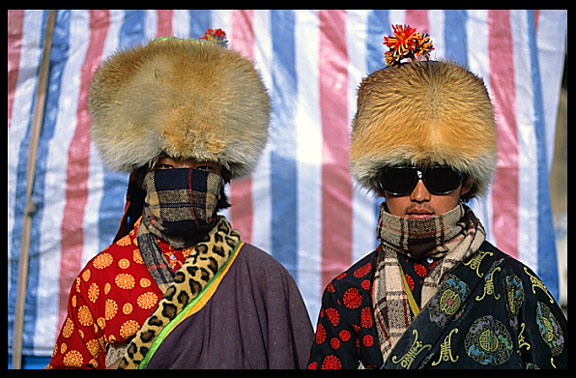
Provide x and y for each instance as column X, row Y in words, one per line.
column 180, row 204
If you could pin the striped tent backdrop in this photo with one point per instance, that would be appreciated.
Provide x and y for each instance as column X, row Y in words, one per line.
column 301, row 204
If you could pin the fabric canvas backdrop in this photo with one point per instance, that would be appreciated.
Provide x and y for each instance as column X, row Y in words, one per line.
column 301, row 204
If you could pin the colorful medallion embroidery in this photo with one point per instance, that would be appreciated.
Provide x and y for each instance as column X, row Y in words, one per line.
column 451, row 294
column 549, row 328
column 514, row 297
column 488, row 342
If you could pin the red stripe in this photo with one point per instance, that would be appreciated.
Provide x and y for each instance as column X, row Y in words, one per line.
column 417, row 19
column 164, row 23
column 336, row 181
column 505, row 184
column 242, row 210
column 78, row 162
column 15, row 25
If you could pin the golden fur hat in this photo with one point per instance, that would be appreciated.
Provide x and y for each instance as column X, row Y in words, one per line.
column 184, row 98
column 424, row 113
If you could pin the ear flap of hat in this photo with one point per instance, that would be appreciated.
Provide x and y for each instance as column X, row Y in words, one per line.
column 185, row 98
column 424, row 112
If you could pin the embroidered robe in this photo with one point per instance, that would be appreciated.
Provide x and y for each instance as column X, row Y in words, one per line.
column 114, row 295
column 489, row 312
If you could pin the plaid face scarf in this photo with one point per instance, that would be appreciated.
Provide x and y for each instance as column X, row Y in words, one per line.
column 451, row 237
column 180, row 208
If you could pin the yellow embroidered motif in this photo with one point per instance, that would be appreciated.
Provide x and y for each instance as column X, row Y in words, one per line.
column 521, row 339
column 536, row 283
column 489, row 286
column 446, row 350
column 474, row 263
column 417, row 347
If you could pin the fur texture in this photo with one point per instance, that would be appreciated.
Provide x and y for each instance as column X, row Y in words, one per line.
column 418, row 113
column 185, row 98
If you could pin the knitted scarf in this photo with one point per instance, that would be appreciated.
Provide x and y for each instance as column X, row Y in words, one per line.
column 180, row 209
column 449, row 237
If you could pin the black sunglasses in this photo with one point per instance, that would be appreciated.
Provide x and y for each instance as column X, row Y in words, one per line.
column 402, row 180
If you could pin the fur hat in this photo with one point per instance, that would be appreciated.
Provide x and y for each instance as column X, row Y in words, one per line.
column 184, row 98
column 423, row 113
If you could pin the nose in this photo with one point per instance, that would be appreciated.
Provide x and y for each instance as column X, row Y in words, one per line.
column 420, row 193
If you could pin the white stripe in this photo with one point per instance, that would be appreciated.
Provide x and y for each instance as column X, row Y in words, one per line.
column 181, row 23
column 261, row 186
column 96, row 166
column 55, row 184
column 527, row 148
column 363, row 202
column 150, row 25
column 436, row 32
column 309, row 159
column 222, row 20
column 477, row 32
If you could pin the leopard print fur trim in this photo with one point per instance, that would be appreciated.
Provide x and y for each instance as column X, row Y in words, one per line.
column 207, row 258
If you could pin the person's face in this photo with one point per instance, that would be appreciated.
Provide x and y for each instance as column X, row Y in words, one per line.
column 168, row 162
column 422, row 204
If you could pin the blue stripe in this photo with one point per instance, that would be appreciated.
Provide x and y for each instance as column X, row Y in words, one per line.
column 200, row 21
column 455, row 36
column 378, row 27
column 547, row 263
column 58, row 60
column 19, row 207
column 115, row 184
column 283, row 175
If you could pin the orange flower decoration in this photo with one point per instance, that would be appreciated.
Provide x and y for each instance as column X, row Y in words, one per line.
column 406, row 43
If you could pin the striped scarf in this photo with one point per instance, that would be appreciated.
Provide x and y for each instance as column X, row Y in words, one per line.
column 450, row 237
column 180, row 208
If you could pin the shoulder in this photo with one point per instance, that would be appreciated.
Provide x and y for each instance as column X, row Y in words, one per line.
column 516, row 275
column 360, row 274
column 506, row 262
column 259, row 263
column 122, row 257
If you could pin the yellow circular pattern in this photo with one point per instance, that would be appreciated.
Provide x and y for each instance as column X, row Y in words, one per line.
column 110, row 309
column 129, row 328
column 124, row 263
column 68, row 328
column 85, row 316
column 137, row 257
column 86, row 275
column 124, row 241
column 147, row 300
column 93, row 292
column 93, row 347
column 102, row 261
column 73, row 359
column 124, row 281
column 127, row 308
column 145, row 282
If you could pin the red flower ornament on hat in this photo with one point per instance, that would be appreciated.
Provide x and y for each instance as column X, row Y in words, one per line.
column 217, row 36
column 406, row 43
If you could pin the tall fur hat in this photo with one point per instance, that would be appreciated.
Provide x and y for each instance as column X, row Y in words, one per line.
column 422, row 113
column 184, row 98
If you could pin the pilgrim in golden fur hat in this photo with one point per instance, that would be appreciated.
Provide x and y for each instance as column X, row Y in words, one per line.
column 423, row 112
column 183, row 98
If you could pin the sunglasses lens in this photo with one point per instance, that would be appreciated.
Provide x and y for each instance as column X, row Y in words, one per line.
column 441, row 180
column 398, row 180
column 402, row 180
